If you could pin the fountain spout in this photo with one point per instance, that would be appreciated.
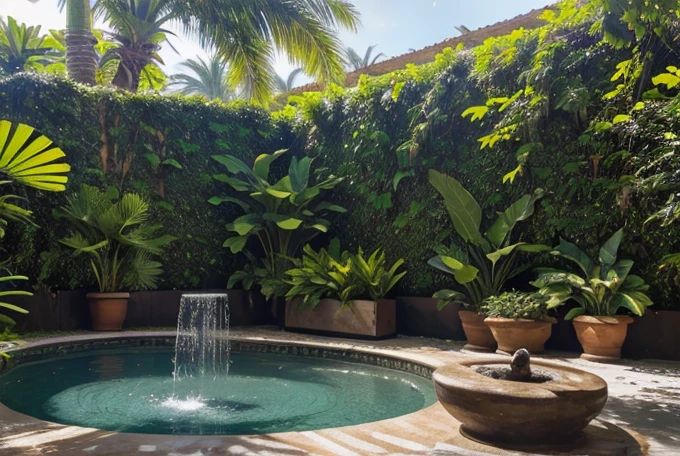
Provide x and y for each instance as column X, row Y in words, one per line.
column 520, row 366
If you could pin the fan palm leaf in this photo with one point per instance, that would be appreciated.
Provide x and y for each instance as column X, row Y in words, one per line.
column 245, row 33
column 209, row 79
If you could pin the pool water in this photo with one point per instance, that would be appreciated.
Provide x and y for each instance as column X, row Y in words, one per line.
column 133, row 391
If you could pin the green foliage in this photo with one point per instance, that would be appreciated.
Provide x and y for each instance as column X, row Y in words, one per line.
column 115, row 234
column 283, row 216
column 601, row 287
column 343, row 276
column 518, row 305
column 22, row 48
column 481, row 263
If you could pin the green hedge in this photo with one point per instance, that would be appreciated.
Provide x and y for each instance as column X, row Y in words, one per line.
column 382, row 136
column 193, row 130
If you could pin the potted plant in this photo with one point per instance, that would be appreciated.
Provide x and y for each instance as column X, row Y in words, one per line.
column 283, row 216
column 481, row 264
column 604, row 288
column 342, row 293
column 115, row 234
column 519, row 320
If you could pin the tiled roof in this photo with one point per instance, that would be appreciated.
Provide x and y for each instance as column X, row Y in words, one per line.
column 471, row 39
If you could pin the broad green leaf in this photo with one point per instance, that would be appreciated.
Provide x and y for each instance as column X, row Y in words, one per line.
column 299, row 173
column 463, row 273
column 327, row 206
column 283, row 221
column 635, row 301
column 575, row 312
column 233, row 164
column 519, row 211
column 609, row 249
column 246, row 224
column 236, row 243
column 464, row 211
column 236, row 184
column 573, row 253
column 217, row 200
column 445, row 297
column 667, row 79
column 262, row 163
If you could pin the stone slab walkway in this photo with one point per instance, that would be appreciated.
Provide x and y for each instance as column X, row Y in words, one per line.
column 642, row 415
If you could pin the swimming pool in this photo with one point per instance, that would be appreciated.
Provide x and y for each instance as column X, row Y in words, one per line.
column 132, row 390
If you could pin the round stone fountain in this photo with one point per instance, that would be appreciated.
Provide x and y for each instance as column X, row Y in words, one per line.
column 517, row 405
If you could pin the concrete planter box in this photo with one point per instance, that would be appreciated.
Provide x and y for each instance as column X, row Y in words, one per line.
column 364, row 319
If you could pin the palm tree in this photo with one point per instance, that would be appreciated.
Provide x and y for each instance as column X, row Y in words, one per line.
column 285, row 86
column 356, row 62
column 137, row 26
column 21, row 47
column 81, row 58
column 209, row 79
column 246, row 33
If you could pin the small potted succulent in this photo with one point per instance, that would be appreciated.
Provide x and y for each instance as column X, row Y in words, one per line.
column 519, row 320
column 342, row 293
column 115, row 234
column 601, row 289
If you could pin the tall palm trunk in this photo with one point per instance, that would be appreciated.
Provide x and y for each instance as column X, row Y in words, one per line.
column 81, row 58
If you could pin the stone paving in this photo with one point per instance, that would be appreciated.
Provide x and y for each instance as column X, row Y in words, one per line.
column 642, row 415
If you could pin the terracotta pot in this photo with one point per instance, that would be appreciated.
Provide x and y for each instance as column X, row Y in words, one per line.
column 479, row 336
column 108, row 310
column 365, row 318
column 601, row 338
column 512, row 335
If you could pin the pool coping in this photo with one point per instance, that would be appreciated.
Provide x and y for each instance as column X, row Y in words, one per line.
column 421, row 432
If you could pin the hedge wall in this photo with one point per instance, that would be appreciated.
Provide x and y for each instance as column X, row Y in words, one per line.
column 383, row 136
column 190, row 132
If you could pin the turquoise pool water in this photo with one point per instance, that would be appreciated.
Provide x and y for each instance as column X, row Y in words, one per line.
column 133, row 391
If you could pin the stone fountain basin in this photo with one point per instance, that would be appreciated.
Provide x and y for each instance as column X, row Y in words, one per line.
column 520, row 413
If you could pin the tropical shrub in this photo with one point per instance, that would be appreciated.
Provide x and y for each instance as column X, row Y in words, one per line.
column 283, row 216
column 518, row 305
column 114, row 232
column 481, row 263
column 26, row 158
column 605, row 286
column 343, row 276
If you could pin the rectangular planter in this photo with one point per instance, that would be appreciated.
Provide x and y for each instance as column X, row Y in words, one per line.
column 369, row 319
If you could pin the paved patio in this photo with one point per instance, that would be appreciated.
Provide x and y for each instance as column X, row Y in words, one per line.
column 642, row 415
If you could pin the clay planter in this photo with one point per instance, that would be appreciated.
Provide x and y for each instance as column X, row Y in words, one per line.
column 108, row 310
column 601, row 338
column 365, row 318
column 512, row 335
column 520, row 414
column 479, row 336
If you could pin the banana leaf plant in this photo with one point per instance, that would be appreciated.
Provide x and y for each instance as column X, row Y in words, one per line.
column 283, row 216
column 30, row 159
column 605, row 286
column 117, row 237
column 484, row 261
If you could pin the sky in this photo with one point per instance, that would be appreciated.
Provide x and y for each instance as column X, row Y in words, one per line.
column 395, row 26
